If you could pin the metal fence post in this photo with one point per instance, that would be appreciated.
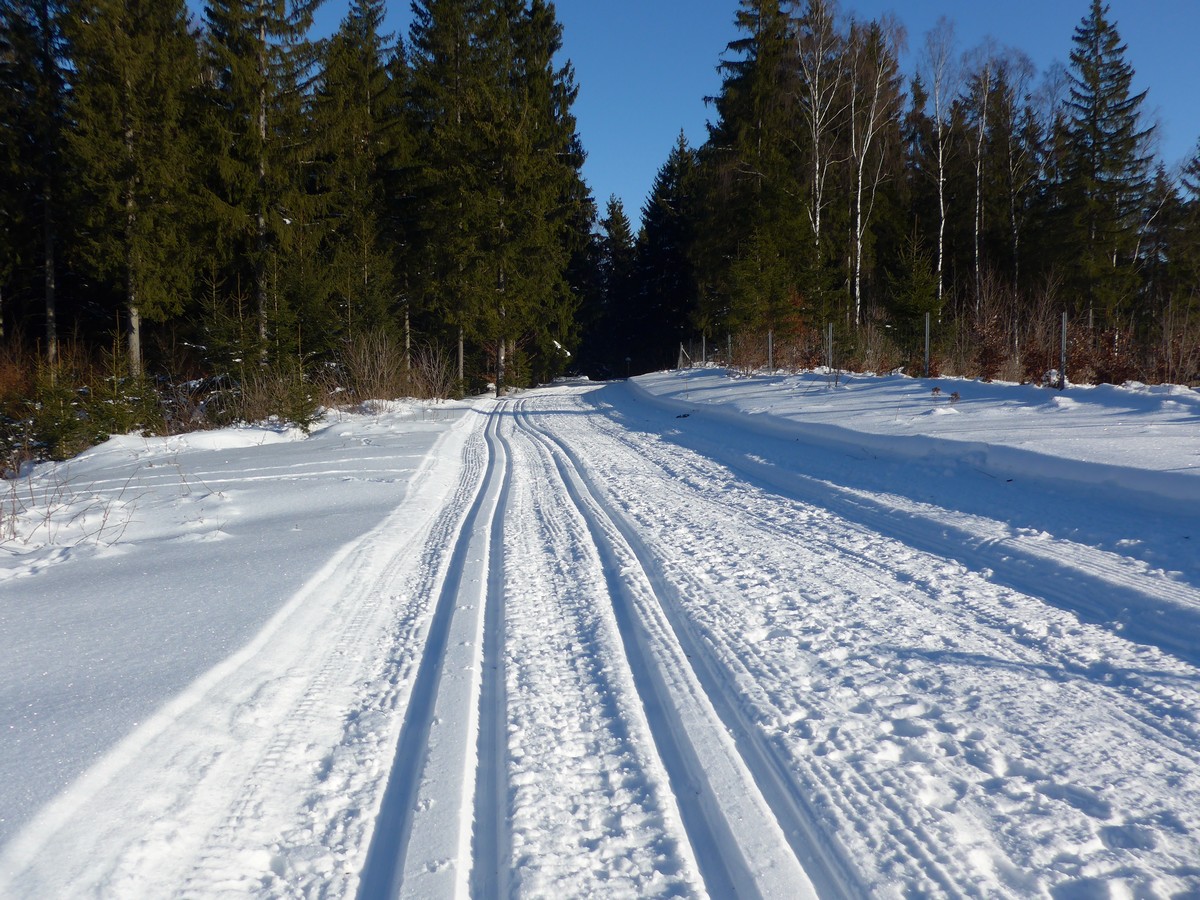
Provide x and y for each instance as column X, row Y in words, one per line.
column 1062, row 363
column 927, row 315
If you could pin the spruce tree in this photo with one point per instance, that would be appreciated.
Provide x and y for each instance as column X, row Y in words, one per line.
column 449, row 179
column 354, row 130
column 666, row 281
column 557, row 207
column 258, row 67
column 611, row 320
column 498, row 199
column 757, row 241
column 1108, row 168
column 33, row 60
column 14, row 208
column 135, row 66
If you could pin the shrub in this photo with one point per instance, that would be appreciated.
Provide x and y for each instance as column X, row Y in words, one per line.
column 374, row 366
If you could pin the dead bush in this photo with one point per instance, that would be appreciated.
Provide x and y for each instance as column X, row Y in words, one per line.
column 375, row 367
column 434, row 374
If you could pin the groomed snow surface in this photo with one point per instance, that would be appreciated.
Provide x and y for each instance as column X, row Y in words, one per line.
column 815, row 635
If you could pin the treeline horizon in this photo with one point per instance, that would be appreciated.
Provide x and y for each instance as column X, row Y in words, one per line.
column 210, row 195
column 194, row 198
column 834, row 189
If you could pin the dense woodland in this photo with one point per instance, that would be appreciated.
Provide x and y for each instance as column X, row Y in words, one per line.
column 210, row 219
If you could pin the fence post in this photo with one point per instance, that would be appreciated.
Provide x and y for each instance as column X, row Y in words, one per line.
column 1062, row 363
column 771, row 350
column 704, row 349
column 927, row 345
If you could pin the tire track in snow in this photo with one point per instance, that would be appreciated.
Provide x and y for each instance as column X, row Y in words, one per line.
column 747, row 829
column 421, row 844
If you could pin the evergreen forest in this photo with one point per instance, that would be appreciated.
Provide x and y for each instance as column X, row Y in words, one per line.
column 216, row 217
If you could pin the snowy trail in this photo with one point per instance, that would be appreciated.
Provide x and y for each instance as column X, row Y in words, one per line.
column 740, row 847
column 605, row 646
column 915, row 700
column 422, row 837
column 556, row 740
column 260, row 778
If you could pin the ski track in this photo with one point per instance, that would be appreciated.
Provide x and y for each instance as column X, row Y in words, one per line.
column 850, row 647
column 585, row 659
column 420, row 845
column 551, row 696
column 590, row 811
column 294, row 822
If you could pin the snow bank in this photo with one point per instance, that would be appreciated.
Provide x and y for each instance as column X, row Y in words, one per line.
column 1136, row 439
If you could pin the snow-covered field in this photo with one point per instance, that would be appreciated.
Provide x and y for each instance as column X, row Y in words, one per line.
column 691, row 634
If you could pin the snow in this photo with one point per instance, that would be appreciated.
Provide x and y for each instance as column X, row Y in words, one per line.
column 802, row 635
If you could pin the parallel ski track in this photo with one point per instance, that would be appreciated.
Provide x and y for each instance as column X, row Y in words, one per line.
column 276, row 726
column 592, row 808
column 491, row 844
column 447, row 560
column 728, row 865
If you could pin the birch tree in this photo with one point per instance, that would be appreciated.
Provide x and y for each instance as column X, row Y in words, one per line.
column 940, row 74
column 980, row 87
column 822, row 101
column 874, row 86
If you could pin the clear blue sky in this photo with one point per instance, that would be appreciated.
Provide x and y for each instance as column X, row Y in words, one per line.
column 645, row 66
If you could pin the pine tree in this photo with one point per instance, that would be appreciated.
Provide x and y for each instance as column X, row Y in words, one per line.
column 1108, row 169
column 135, row 65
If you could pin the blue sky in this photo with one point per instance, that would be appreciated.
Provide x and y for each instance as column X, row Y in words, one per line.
column 645, row 66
